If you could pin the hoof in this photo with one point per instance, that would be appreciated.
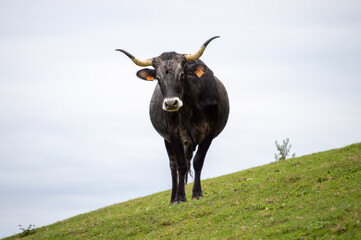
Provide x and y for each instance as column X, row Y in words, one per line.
column 197, row 196
column 178, row 201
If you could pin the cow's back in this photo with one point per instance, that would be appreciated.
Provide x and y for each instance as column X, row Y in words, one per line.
column 223, row 105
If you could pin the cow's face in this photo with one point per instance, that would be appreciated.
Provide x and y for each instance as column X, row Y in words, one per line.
column 169, row 71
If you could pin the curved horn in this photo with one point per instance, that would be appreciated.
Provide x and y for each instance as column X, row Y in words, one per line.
column 195, row 56
column 141, row 63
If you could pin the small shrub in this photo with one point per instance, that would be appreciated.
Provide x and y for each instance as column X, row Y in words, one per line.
column 26, row 232
column 283, row 150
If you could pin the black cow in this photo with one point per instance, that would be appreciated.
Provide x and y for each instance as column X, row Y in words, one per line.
column 189, row 108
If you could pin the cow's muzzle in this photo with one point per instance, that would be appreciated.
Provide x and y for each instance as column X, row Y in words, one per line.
column 172, row 104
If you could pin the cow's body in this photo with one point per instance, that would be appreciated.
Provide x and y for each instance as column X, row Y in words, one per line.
column 205, row 108
column 189, row 108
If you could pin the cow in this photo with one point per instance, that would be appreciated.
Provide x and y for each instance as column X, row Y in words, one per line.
column 189, row 108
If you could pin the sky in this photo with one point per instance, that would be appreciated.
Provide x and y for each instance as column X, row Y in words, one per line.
column 75, row 133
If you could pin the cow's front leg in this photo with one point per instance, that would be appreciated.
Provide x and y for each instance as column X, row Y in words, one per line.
column 173, row 169
column 180, row 157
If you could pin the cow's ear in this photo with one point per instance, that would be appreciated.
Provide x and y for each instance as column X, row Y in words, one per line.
column 146, row 74
column 196, row 69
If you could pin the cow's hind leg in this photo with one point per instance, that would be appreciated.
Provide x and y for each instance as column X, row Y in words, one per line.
column 173, row 169
column 198, row 165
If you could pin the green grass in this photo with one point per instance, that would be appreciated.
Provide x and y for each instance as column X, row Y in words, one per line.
column 311, row 197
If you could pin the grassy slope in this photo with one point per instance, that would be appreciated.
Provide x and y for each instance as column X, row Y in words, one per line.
column 315, row 196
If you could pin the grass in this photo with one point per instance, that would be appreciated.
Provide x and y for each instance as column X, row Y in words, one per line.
column 311, row 197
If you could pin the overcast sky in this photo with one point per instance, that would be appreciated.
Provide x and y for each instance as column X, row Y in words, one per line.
column 75, row 133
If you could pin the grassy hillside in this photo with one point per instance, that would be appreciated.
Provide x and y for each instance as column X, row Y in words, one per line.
column 311, row 197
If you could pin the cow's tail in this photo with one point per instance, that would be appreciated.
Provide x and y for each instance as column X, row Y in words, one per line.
column 189, row 152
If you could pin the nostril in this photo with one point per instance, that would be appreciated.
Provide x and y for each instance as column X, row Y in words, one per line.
column 172, row 104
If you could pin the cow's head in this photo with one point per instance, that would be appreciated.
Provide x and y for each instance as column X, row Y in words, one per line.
column 169, row 70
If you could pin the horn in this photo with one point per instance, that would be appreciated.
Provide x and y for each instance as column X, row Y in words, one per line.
column 195, row 56
column 142, row 63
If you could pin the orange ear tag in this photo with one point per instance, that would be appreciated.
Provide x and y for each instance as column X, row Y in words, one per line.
column 199, row 72
column 150, row 78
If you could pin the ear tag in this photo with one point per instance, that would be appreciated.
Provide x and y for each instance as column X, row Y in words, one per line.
column 199, row 72
column 150, row 78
